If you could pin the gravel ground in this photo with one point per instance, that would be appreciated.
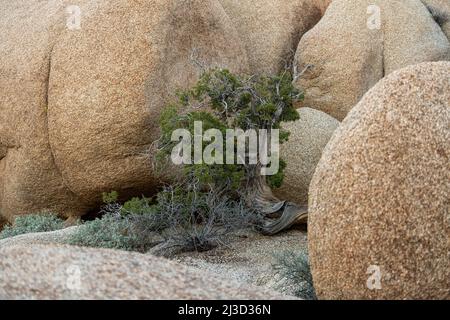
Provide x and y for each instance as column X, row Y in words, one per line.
column 249, row 258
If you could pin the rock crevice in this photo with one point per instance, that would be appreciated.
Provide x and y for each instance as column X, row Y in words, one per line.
column 350, row 55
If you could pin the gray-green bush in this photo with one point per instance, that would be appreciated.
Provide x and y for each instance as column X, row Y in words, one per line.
column 294, row 270
column 41, row 222
column 180, row 219
column 111, row 231
column 199, row 221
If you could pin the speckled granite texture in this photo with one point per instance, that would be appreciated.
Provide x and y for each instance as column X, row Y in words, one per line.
column 309, row 136
column 271, row 29
column 80, row 108
column 380, row 194
column 348, row 54
column 442, row 8
column 65, row 272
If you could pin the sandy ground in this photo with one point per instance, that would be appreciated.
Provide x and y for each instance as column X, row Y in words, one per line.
column 248, row 258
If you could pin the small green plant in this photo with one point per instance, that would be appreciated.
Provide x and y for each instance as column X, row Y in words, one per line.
column 113, row 232
column 42, row 222
column 294, row 270
column 110, row 197
column 137, row 206
column 184, row 219
column 200, row 221
column 126, row 227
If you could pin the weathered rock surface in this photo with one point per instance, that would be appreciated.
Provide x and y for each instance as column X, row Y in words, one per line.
column 28, row 173
column 441, row 11
column 380, row 194
column 309, row 136
column 271, row 29
column 357, row 43
column 65, row 272
column 52, row 237
column 79, row 108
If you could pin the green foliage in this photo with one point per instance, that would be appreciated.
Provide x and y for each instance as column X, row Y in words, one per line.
column 276, row 180
column 184, row 218
column 258, row 102
column 125, row 227
column 294, row 269
column 113, row 232
column 42, row 222
column 108, row 232
column 110, row 197
column 225, row 101
column 137, row 206
column 224, row 175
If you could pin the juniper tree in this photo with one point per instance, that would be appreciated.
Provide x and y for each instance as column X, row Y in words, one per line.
column 222, row 100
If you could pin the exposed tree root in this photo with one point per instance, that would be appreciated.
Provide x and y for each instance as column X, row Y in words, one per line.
column 292, row 215
column 280, row 215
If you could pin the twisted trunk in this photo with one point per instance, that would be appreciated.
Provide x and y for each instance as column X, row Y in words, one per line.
column 280, row 215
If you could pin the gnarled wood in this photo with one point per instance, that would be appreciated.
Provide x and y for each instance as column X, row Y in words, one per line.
column 280, row 215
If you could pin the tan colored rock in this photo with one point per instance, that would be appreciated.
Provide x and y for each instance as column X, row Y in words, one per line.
column 50, row 272
column 3, row 222
column 322, row 5
column 271, row 29
column 79, row 108
column 380, row 194
column 52, row 237
column 309, row 136
column 29, row 178
column 441, row 11
column 346, row 53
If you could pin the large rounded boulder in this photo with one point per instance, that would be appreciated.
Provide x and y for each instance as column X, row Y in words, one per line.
column 82, row 89
column 357, row 43
column 379, row 219
column 58, row 272
column 308, row 137
column 271, row 29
